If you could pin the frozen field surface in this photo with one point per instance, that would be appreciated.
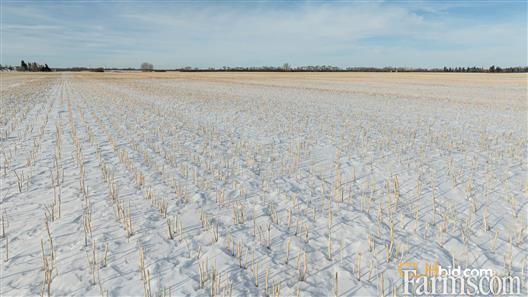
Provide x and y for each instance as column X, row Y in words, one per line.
column 257, row 184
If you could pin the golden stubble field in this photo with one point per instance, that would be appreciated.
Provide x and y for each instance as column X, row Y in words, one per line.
column 279, row 184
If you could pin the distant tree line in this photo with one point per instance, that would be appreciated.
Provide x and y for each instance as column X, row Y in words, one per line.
column 91, row 69
column 33, row 67
column 330, row 68
column 492, row 69
column 284, row 68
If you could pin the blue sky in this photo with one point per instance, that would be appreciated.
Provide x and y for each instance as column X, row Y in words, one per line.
column 207, row 33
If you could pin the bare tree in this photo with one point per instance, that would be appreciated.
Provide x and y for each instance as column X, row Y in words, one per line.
column 145, row 66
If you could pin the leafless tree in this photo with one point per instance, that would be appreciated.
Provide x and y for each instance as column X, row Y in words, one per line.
column 145, row 66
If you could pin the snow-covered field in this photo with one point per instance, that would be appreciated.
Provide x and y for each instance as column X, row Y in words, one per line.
column 257, row 184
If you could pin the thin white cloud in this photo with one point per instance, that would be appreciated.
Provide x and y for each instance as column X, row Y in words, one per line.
column 340, row 34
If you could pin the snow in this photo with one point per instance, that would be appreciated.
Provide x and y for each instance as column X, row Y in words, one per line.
column 344, row 155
